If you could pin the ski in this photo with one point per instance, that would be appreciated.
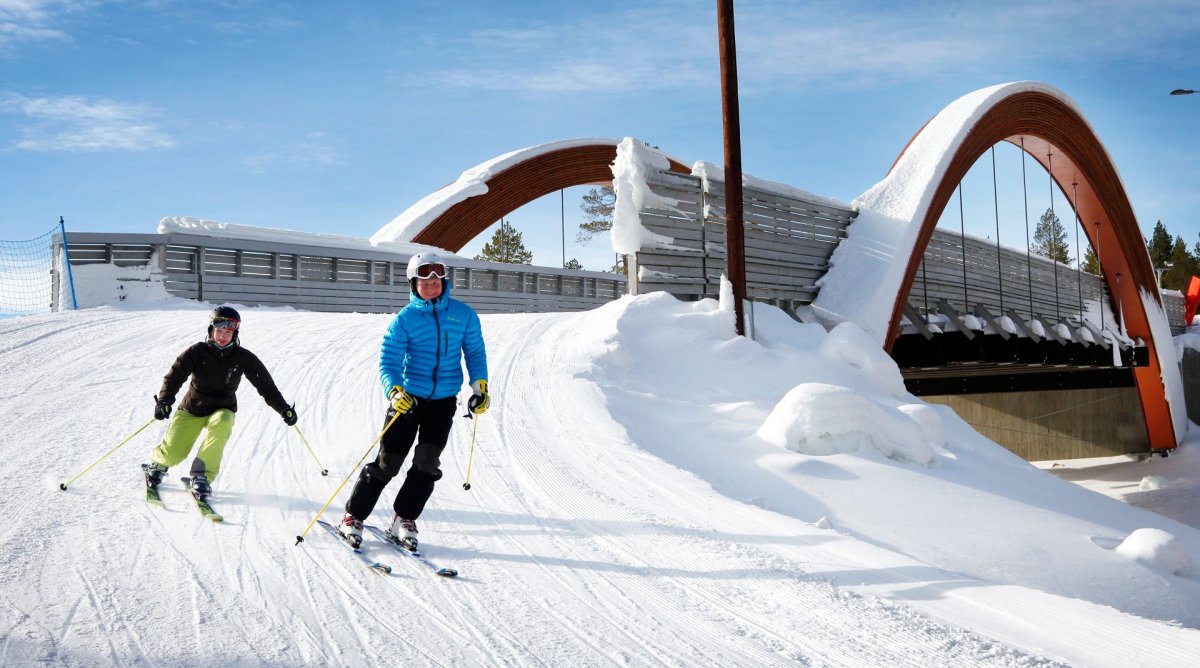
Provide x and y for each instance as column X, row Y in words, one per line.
column 376, row 566
column 414, row 554
column 206, row 511
column 152, row 496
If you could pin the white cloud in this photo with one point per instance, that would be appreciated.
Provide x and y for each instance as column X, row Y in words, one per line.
column 28, row 20
column 77, row 123
column 784, row 44
column 314, row 149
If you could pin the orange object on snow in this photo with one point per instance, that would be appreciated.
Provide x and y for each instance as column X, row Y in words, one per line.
column 1193, row 298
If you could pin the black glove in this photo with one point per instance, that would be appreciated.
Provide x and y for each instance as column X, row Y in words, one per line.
column 289, row 416
column 162, row 409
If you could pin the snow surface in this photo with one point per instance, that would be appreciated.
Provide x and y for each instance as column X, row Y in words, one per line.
column 648, row 489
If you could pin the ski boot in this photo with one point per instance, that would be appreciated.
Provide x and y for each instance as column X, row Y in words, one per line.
column 404, row 532
column 154, row 473
column 200, row 487
column 350, row 530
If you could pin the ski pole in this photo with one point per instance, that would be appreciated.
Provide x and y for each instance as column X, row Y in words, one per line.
column 471, row 456
column 63, row 486
column 300, row 538
column 324, row 471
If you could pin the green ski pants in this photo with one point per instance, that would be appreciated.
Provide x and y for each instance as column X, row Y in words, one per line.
column 181, row 436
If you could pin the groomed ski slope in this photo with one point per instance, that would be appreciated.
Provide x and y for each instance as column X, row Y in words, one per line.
column 578, row 543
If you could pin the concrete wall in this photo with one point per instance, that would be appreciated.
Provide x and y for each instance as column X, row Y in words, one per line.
column 1059, row 424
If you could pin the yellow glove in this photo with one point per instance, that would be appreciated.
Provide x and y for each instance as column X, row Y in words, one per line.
column 401, row 400
column 480, row 401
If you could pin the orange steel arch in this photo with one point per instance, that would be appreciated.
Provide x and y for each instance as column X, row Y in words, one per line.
column 519, row 185
column 1047, row 126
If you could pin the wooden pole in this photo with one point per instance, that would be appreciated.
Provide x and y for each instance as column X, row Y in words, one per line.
column 735, row 253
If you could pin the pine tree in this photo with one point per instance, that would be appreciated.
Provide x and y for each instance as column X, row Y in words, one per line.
column 573, row 264
column 1091, row 263
column 1050, row 238
column 506, row 246
column 1183, row 267
column 1160, row 246
column 597, row 207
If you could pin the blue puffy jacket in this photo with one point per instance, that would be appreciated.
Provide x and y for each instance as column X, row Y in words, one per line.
column 424, row 346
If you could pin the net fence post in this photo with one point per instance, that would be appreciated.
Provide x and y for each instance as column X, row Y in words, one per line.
column 67, row 261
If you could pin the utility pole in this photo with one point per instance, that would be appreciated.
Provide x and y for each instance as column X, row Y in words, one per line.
column 735, row 252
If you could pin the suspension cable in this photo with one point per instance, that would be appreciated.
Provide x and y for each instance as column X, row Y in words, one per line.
column 1028, row 255
column 1100, row 270
column 925, row 286
column 1054, row 237
column 999, row 255
column 962, row 226
column 1078, row 253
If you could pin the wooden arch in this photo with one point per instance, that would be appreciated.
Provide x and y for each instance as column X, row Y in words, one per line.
column 520, row 184
column 1046, row 126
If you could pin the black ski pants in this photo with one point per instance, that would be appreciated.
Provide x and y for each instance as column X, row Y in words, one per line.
column 428, row 424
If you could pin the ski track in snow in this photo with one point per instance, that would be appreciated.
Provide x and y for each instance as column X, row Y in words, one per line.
column 575, row 547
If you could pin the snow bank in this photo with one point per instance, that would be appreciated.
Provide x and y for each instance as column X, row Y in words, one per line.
column 820, row 419
column 1158, row 550
column 209, row 228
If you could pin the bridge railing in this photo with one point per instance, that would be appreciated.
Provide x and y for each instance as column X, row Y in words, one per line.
column 788, row 241
column 320, row 278
column 969, row 271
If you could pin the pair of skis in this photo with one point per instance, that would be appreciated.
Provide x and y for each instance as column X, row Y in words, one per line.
column 206, row 510
column 395, row 544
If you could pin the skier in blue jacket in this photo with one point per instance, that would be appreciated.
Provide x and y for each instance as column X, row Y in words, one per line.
column 420, row 367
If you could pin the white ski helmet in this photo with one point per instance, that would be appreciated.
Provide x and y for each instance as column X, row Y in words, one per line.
column 427, row 265
column 422, row 259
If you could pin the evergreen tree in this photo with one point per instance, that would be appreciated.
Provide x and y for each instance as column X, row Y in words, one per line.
column 1183, row 267
column 1160, row 246
column 597, row 207
column 1050, row 238
column 1091, row 263
column 573, row 264
column 506, row 246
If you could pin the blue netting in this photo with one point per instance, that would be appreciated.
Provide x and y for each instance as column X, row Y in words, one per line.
column 27, row 278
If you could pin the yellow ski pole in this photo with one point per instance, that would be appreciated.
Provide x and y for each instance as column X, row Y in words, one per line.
column 324, row 471
column 63, row 486
column 300, row 538
column 471, row 456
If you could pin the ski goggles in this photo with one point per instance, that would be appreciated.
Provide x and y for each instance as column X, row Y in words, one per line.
column 225, row 323
column 432, row 270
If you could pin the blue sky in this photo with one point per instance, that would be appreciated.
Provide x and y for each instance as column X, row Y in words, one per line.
column 335, row 117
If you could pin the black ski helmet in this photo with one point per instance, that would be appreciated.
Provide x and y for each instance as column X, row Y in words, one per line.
column 224, row 313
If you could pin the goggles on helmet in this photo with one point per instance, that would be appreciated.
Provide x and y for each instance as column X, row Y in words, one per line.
column 225, row 323
column 432, row 270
